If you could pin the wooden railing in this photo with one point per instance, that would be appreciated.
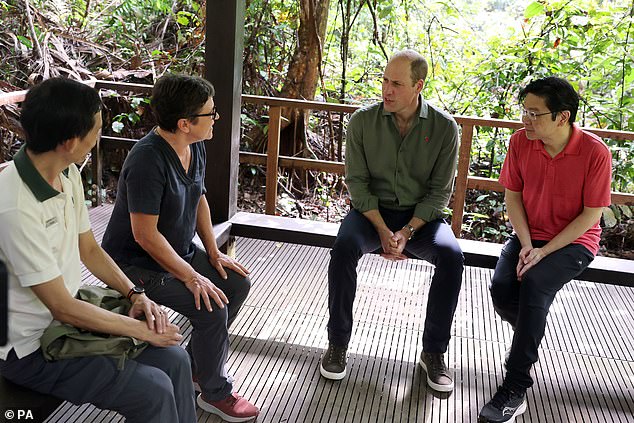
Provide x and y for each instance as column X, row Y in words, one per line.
column 273, row 161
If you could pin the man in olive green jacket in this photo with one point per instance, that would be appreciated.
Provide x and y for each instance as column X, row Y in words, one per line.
column 401, row 157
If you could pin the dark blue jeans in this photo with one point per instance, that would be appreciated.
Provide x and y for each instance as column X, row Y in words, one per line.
column 156, row 386
column 525, row 304
column 435, row 242
column 209, row 344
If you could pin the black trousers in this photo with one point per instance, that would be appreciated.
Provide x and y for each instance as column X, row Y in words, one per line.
column 435, row 242
column 525, row 304
column 209, row 344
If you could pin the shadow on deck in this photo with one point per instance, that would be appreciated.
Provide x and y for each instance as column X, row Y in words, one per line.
column 585, row 372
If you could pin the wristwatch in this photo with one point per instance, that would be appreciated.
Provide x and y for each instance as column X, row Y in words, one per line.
column 411, row 230
column 135, row 290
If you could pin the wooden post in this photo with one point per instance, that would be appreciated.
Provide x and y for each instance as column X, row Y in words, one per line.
column 97, row 175
column 272, row 157
column 460, row 191
column 223, row 68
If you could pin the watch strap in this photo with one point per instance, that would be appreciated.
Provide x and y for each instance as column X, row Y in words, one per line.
column 134, row 290
column 411, row 230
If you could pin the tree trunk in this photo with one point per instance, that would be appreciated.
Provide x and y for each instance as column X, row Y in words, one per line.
column 303, row 73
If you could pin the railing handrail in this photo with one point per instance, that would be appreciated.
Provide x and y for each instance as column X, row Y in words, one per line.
column 464, row 181
column 18, row 96
column 273, row 161
column 300, row 104
column 460, row 119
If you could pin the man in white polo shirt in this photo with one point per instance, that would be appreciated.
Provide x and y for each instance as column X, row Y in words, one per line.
column 44, row 233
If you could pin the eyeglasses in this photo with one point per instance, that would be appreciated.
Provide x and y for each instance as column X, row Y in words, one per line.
column 532, row 115
column 214, row 114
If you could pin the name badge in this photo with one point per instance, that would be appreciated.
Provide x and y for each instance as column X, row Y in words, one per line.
column 50, row 222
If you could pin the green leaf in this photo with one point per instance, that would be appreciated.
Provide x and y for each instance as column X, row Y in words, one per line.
column 627, row 211
column 534, row 9
column 384, row 13
column 609, row 218
column 182, row 20
column 25, row 41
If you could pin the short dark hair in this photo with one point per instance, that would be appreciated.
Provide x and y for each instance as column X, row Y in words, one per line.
column 176, row 97
column 558, row 94
column 57, row 110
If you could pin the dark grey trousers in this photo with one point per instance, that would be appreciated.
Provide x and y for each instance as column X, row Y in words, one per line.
column 209, row 344
column 154, row 387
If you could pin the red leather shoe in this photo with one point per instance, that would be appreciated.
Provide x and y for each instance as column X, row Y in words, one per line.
column 233, row 408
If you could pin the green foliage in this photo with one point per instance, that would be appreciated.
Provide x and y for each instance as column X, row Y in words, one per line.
column 138, row 105
column 480, row 55
column 486, row 220
column 269, row 40
column 477, row 68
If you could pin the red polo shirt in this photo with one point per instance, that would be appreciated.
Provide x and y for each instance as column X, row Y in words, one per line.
column 555, row 190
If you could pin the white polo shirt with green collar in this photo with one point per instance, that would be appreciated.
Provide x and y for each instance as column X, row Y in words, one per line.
column 39, row 241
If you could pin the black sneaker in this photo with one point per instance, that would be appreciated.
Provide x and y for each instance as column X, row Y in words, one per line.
column 438, row 377
column 333, row 363
column 504, row 407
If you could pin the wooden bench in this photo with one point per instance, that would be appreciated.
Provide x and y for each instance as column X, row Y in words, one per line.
column 606, row 270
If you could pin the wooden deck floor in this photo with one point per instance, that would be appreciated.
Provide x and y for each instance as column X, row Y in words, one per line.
column 585, row 372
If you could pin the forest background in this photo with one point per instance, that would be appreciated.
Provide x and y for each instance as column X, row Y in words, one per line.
column 480, row 54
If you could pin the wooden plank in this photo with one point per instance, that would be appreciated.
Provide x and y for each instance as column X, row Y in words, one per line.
column 279, row 336
column 490, row 184
column 371, row 371
column 338, row 168
column 479, row 254
column 111, row 143
column 284, row 229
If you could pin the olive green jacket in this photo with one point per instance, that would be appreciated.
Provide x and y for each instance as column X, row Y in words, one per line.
column 61, row 341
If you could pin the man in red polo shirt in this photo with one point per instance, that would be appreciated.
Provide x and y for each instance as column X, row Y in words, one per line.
column 557, row 179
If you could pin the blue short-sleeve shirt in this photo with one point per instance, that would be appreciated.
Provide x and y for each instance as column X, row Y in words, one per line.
column 154, row 182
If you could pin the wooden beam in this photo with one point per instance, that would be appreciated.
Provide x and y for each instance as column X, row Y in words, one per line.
column 124, row 86
column 259, row 159
column 607, row 270
column 223, row 68
column 460, row 191
column 18, row 96
column 486, row 184
column 622, row 198
column 111, row 143
column 298, row 104
column 12, row 97
column 275, row 121
column 97, row 174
